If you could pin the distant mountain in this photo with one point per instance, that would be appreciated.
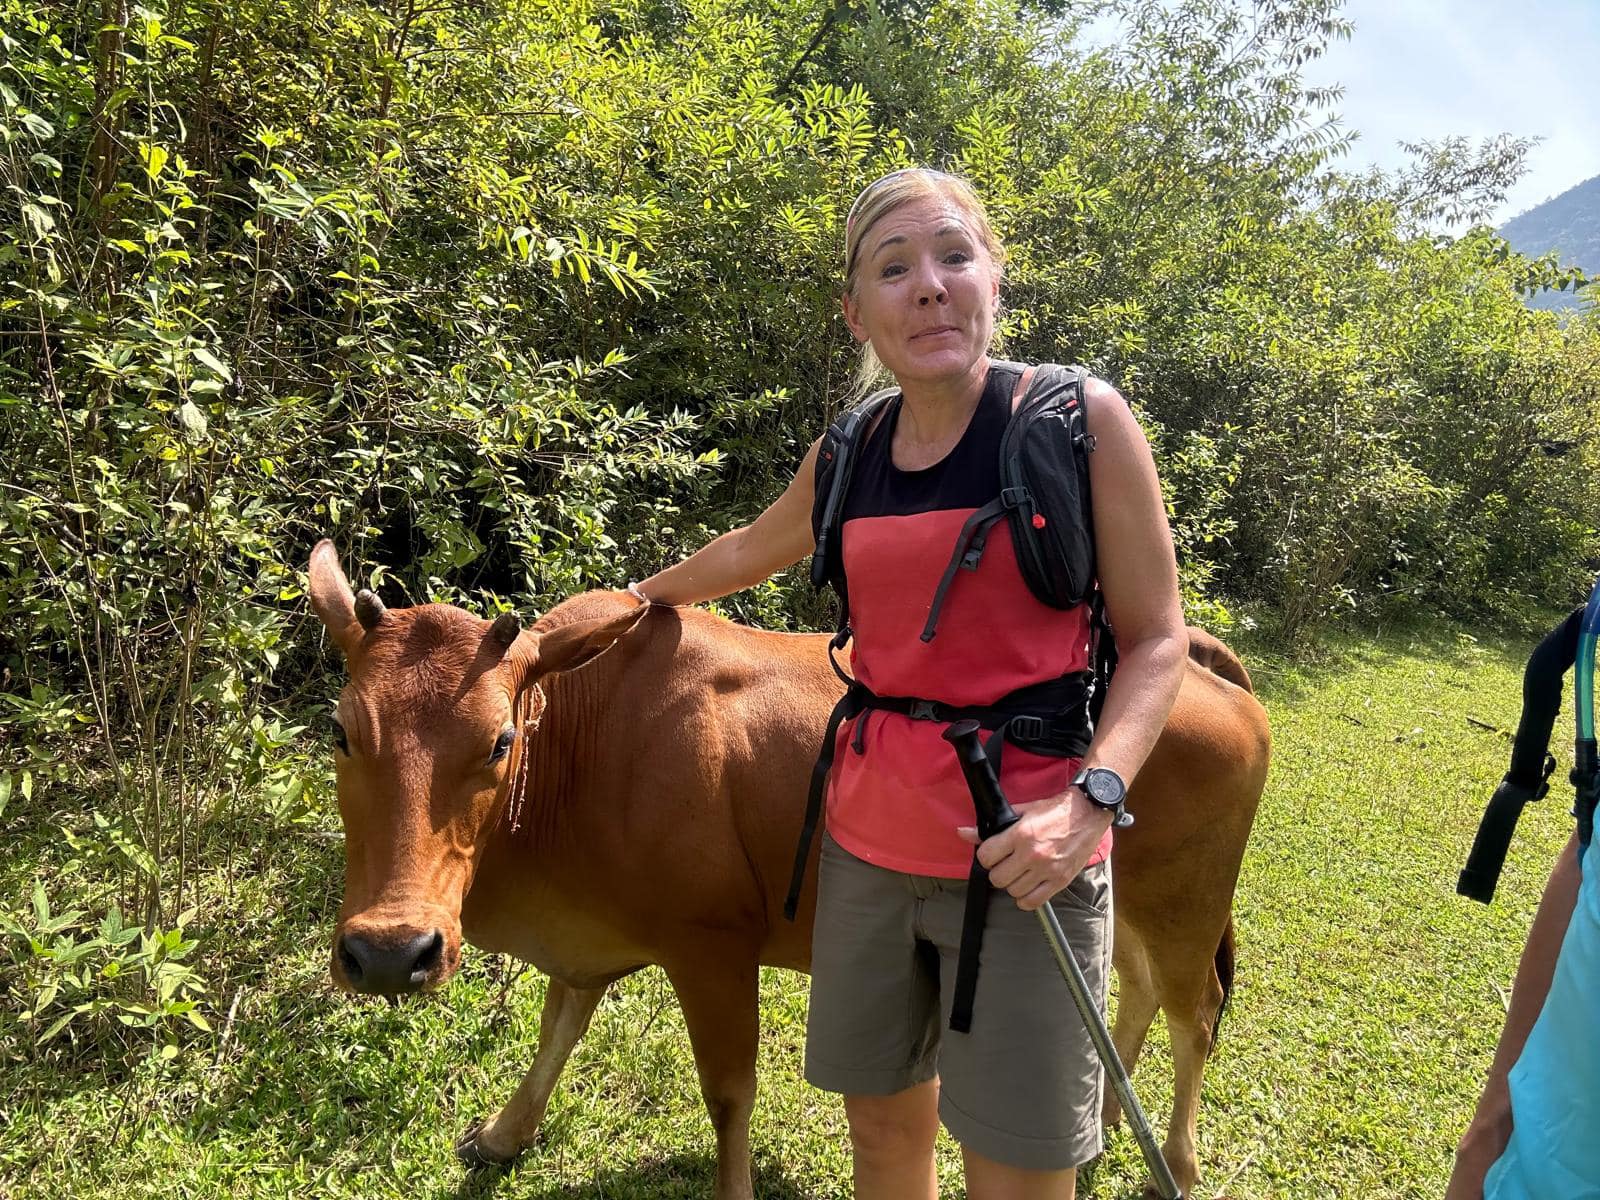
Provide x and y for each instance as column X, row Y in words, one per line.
column 1569, row 225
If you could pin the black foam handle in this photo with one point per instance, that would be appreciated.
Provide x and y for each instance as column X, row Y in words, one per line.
column 1477, row 880
column 994, row 814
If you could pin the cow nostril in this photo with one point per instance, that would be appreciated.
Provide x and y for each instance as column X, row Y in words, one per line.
column 430, row 957
column 392, row 964
column 348, row 959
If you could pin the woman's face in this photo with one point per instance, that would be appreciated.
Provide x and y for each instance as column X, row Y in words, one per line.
column 925, row 292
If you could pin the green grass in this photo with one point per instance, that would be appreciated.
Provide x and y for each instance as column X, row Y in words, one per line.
column 1368, row 1001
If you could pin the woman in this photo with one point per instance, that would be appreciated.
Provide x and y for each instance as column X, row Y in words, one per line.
column 1546, row 1069
column 1021, row 1091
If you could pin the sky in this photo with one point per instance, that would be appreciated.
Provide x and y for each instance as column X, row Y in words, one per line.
column 1426, row 69
column 1418, row 70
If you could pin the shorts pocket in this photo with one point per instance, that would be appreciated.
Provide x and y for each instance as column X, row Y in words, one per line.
column 1089, row 891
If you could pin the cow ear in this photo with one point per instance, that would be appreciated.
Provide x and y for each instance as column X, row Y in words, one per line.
column 569, row 647
column 331, row 598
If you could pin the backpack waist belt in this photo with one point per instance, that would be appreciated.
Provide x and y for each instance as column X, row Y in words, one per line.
column 1049, row 718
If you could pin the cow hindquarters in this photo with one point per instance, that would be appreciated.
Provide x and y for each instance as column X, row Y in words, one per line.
column 718, row 990
column 562, row 1021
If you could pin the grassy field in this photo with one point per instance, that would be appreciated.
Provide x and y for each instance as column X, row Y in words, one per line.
column 1369, row 997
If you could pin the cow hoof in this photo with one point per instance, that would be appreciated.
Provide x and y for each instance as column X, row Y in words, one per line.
column 474, row 1155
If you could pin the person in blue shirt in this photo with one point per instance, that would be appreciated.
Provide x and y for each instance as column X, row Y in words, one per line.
column 1536, row 1132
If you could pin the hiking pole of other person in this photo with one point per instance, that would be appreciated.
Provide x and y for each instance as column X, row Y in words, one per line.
column 995, row 815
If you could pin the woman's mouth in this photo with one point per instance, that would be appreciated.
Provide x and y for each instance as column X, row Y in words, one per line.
column 935, row 332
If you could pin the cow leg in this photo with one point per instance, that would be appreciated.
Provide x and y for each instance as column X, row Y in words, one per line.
column 1191, row 996
column 1136, row 1009
column 718, row 993
column 502, row 1137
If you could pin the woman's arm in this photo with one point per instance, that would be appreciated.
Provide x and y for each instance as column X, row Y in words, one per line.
column 1040, row 854
column 1486, row 1137
column 743, row 557
column 1139, row 577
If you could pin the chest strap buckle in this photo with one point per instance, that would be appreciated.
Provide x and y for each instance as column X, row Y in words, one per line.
column 1026, row 728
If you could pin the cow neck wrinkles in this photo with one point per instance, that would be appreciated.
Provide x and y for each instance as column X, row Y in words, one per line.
column 568, row 734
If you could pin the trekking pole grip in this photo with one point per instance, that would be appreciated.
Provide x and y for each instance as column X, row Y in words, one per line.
column 994, row 814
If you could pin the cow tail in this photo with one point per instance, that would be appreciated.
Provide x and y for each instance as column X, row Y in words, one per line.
column 1224, row 963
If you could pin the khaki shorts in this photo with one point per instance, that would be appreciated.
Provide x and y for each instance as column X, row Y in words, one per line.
column 1024, row 1086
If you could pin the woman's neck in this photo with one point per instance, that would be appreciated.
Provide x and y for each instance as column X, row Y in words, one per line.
column 933, row 412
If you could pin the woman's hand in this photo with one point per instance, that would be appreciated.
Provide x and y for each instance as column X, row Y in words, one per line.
column 1045, row 849
column 1483, row 1143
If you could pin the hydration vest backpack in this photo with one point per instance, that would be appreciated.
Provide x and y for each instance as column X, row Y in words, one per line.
column 1044, row 495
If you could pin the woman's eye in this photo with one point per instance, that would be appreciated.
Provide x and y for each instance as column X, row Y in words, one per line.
column 890, row 271
column 957, row 257
column 502, row 745
column 339, row 738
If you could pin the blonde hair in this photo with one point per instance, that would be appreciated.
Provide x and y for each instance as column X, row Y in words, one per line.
column 876, row 201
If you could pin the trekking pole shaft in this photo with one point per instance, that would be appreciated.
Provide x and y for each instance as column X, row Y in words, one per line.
column 995, row 815
column 1078, row 986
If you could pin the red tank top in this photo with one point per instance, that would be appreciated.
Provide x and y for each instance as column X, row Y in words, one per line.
column 897, row 794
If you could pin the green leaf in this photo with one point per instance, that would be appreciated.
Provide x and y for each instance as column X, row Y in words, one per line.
column 155, row 158
column 41, row 220
column 193, row 420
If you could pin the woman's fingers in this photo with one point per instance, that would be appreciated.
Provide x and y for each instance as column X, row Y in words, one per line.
column 1038, row 897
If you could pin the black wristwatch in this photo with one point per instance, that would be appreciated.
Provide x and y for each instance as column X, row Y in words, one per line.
column 1105, row 789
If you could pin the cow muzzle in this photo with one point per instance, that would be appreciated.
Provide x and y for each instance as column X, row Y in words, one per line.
column 390, row 963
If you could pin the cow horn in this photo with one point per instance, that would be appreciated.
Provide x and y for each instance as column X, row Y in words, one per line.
column 505, row 629
column 369, row 609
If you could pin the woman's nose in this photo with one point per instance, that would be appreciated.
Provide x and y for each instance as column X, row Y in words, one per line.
column 930, row 287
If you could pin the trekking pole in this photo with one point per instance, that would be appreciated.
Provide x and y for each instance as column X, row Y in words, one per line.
column 994, row 816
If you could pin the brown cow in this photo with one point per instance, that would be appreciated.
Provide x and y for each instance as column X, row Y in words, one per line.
column 652, row 818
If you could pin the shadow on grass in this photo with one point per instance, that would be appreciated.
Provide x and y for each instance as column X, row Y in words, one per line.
column 1088, row 1191
column 681, row 1177
column 1286, row 673
column 688, row 1177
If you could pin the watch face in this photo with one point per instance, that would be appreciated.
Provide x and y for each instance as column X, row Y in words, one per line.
column 1104, row 787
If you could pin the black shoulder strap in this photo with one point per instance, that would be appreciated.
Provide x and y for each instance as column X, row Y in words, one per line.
column 836, row 464
column 1532, row 764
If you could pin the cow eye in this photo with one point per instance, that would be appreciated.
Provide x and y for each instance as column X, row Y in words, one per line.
column 339, row 738
column 502, row 745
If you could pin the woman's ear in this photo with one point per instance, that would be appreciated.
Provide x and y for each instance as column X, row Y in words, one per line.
column 852, row 317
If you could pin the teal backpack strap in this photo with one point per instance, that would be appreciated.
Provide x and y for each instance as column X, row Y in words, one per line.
column 1585, row 762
